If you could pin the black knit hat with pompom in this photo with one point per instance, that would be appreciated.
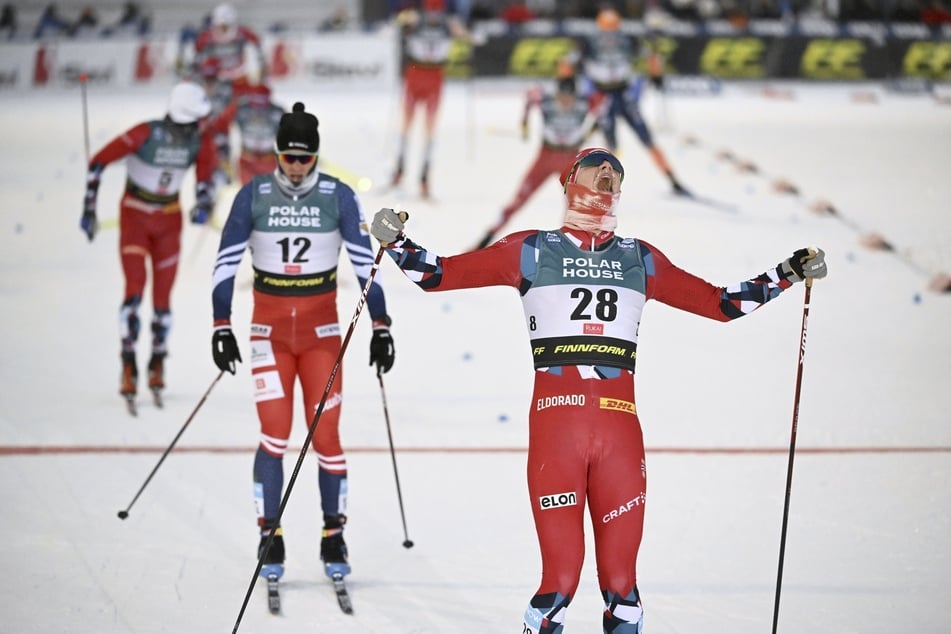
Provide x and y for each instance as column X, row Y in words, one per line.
column 297, row 131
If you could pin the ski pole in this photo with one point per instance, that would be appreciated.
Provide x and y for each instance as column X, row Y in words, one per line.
column 407, row 542
column 82, row 85
column 125, row 513
column 310, row 432
column 792, row 451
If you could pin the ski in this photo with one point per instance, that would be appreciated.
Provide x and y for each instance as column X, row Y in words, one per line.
column 273, row 594
column 130, row 404
column 343, row 596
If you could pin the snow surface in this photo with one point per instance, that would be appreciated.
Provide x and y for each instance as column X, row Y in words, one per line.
column 867, row 548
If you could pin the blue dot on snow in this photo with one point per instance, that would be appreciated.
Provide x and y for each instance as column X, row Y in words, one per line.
column 467, row 356
column 503, row 418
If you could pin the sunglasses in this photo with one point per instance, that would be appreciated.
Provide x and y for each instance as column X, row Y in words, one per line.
column 303, row 159
column 596, row 158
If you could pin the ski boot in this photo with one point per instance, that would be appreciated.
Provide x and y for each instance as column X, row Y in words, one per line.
column 128, row 380
column 157, row 376
column 424, row 183
column 333, row 552
column 397, row 174
column 273, row 562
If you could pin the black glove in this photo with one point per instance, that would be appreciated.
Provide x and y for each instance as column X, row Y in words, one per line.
column 89, row 223
column 201, row 212
column 224, row 349
column 382, row 352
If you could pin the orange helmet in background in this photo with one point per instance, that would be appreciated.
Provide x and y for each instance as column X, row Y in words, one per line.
column 609, row 20
column 565, row 68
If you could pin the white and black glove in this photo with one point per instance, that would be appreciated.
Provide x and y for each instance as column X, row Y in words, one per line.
column 387, row 225
column 89, row 223
column 224, row 349
column 805, row 264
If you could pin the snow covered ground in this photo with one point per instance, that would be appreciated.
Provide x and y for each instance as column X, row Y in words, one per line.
column 868, row 547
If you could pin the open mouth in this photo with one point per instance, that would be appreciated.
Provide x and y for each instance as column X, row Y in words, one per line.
column 605, row 182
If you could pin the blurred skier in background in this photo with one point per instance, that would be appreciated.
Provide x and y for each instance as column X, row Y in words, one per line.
column 427, row 36
column 228, row 58
column 615, row 89
column 257, row 118
column 567, row 120
column 159, row 153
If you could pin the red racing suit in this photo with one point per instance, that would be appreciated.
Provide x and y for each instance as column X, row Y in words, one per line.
column 583, row 297
column 150, row 214
column 295, row 239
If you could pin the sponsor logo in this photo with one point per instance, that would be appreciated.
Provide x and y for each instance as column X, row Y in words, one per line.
column 292, row 216
column 569, row 348
column 260, row 330
column 332, row 69
column 552, row 237
column 617, row 405
column 327, row 331
column 557, row 500
column 333, row 401
column 534, row 57
column 833, row 59
column 264, row 188
column 928, row 59
column 292, row 269
column 626, row 507
column 593, row 329
column 590, row 268
column 561, row 400
column 307, row 282
column 734, row 58
column 174, row 156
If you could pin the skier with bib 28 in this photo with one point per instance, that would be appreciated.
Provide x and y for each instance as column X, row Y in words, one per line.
column 583, row 290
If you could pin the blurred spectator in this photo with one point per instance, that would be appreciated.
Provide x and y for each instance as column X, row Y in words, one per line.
column 516, row 13
column 481, row 10
column 902, row 10
column 50, row 23
column 8, row 22
column 936, row 12
column 338, row 21
column 132, row 22
column 86, row 25
column 859, row 10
